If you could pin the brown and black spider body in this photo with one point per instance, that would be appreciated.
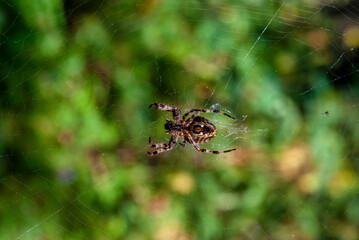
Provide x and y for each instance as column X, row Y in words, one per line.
column 202, row 130
column 195, row 129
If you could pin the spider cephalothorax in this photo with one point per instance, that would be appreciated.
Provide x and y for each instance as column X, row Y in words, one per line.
column 170, row 126
column 195, row 129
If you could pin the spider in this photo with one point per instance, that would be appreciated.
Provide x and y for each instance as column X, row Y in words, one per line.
column 195, row 129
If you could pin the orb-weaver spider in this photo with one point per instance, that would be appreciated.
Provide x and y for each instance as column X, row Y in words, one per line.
column 195, row 129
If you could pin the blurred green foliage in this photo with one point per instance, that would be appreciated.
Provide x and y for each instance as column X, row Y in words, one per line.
column 76, row 81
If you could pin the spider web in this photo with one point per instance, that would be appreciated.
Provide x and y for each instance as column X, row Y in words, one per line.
column 77, row 78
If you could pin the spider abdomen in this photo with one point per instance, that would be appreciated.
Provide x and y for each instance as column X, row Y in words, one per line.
column 202, row 130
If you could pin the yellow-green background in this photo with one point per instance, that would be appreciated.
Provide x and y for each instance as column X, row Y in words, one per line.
column 76, row 80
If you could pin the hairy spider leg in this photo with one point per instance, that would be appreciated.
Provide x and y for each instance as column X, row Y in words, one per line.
column 164, row 147
column 206, row 111
column 156, row 145
column 190, row 120
column 190, row 139
column 176, row 112
column 183, row 143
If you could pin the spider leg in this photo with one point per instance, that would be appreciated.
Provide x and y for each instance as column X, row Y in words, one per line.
column 156, row 145
column 164, row 147
column 189, row 120
column 205, row 150
column 175, row 111
column 206, row 111
column 168, row 121
column 183, row 143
